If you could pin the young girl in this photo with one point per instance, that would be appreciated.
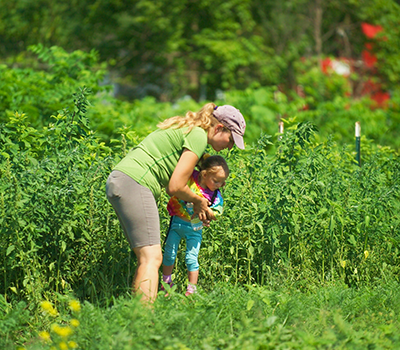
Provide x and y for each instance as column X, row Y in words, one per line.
column 213, row 173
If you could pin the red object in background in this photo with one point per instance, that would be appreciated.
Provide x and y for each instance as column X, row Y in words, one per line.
column 381, row 98
column 326, row 63
column 369, row 59
column 345, row 66
column 374, row 90
column 370, row 30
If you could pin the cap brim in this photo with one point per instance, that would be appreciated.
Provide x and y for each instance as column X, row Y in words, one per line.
column 238, row 140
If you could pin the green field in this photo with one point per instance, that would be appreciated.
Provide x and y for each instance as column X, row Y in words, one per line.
column 227, row 317
column 306, row 255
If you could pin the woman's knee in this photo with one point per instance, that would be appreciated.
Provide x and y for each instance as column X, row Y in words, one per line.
column 149, row 255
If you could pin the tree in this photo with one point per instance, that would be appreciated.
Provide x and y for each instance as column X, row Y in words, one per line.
column 173, row 48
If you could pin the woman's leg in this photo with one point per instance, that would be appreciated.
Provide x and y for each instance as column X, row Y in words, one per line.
column 137, row 212
column 146, row 276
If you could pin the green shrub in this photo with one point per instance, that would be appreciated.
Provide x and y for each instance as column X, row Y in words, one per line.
column 57, row 229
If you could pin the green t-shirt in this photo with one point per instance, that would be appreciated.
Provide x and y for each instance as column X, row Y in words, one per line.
column 152, row 162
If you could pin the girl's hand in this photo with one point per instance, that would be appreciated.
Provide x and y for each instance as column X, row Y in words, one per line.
column 210, row 216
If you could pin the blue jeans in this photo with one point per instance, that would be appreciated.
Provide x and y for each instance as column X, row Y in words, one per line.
column 179, row 229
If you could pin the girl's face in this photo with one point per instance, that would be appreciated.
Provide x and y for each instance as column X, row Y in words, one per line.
column 219, row 138
column 213, row 178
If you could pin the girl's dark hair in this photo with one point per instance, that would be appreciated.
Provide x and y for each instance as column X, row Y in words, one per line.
column 207, row 162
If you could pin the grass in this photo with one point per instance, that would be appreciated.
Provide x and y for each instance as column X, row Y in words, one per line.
column 249, row 317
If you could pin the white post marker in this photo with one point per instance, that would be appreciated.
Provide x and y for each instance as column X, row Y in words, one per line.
column 358, row 129
column 281, row 127
column 358, row 143
column 280, row 130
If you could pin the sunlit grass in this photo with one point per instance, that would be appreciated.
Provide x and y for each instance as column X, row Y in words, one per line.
column 227, row 317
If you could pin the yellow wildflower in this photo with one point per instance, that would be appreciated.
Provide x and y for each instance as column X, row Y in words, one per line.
column 75, row 305
column 74, row 323
column 63, row 345
column 45, row 336
column 343, row 263
column 47, row 306
column 62, row 331
column 366, row 254
column 72, row 344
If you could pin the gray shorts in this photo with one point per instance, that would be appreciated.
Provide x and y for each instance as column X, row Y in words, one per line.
column 136, row 209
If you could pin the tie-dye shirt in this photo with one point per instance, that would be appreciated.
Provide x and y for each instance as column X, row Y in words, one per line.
column 178, row 206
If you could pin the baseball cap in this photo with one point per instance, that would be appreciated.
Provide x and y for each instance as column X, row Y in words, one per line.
column 233, row 120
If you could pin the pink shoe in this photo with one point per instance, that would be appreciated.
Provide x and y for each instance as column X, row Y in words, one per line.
column 191, row 289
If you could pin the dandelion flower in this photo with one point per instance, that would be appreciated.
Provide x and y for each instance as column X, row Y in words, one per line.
column 343, row 263
column 75, row 305
column 366, row 254
column 45, row 336
column 74, row 323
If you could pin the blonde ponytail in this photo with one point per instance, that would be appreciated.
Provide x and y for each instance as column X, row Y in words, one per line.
column 203, row 118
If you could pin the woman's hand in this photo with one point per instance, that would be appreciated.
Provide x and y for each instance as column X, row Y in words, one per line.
column 201, row 208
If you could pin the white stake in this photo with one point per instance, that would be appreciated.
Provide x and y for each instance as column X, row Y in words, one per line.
column 358, row 129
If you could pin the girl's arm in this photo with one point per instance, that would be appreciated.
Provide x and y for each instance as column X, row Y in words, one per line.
column 178, row 186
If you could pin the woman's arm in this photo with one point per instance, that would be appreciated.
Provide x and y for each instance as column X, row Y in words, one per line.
column 178, row 186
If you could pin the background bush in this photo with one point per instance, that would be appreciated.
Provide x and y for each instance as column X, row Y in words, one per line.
column 47, row 88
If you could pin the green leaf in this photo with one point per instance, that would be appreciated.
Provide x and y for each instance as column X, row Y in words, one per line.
column 251, row 250
column 352, row 240
column 250, row 304
column 332, row 224
column 10, row 249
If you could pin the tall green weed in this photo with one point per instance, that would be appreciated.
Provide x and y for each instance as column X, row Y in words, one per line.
column 309, row 215
column 57, row 230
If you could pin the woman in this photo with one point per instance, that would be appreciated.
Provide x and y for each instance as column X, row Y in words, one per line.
column 166, row 158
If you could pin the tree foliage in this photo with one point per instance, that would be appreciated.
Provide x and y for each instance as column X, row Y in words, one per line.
column 171, row 48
